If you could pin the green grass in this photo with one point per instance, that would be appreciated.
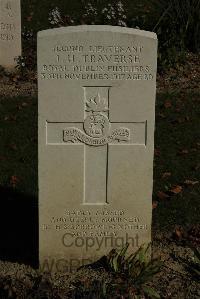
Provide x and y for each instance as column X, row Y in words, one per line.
column 177, row 140
column 177, row 129
column 18, row 146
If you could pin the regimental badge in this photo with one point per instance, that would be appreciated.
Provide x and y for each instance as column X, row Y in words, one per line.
column 97, row 128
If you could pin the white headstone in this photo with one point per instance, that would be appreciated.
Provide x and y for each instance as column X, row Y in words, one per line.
column 10, row 32
column 97, row 89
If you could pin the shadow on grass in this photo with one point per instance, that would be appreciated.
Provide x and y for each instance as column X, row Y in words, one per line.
column 19, row 227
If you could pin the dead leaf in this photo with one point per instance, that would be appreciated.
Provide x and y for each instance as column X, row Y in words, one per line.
column 176, row 189
column 157, row 152
column 13, row 117
column 183, row 151
column 167, row 104
column 180, row 120
column 190, row 182
column 166, row 175
column 154, row 204
column 14, row 180
column 20, row 107
column 178, row 233
column 15, row 78
column 161, row 115
column 13, row 146
column 29, row 18
column 83, row 22
column 197, row 166
column 162, row 195
column 193, row 235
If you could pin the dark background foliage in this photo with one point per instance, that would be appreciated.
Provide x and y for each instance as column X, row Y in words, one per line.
column 176, row 22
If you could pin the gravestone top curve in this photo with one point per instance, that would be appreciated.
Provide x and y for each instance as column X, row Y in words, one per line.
column 106, row 28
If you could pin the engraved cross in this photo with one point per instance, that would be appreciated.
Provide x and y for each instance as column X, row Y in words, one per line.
column 97, row 133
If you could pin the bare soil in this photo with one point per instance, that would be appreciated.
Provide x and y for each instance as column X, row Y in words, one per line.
column 174, row 280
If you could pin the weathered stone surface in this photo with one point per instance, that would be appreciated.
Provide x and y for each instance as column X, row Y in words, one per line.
column 10, row 32
column 96, row 140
